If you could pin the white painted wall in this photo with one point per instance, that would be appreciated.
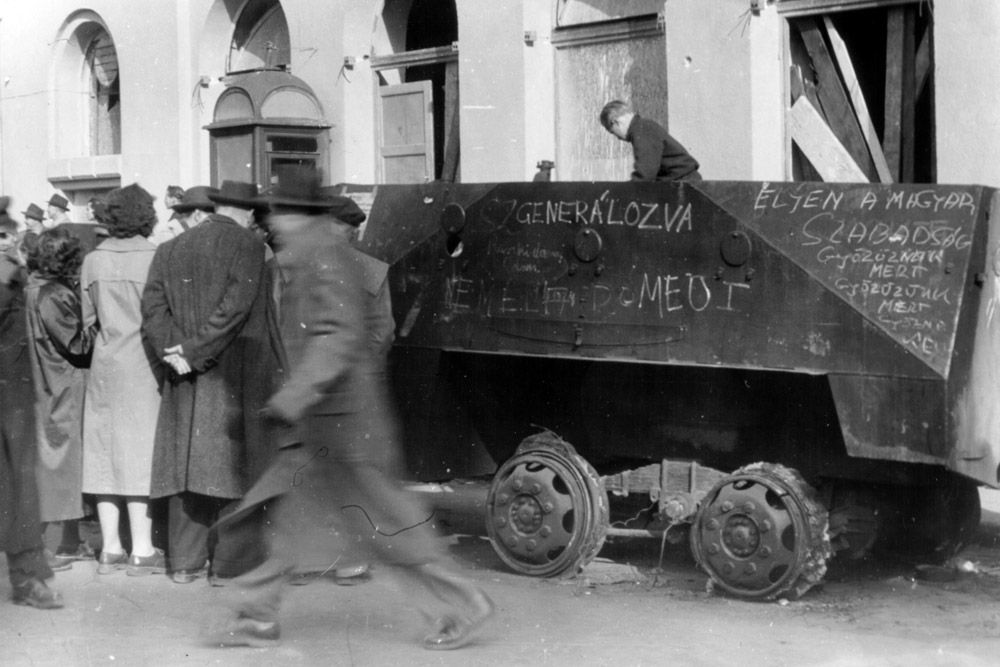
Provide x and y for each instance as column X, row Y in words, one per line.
column 725, row 80
column 492, row 90
column 967, row 91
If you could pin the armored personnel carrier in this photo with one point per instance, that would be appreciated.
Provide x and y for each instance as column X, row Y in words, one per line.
column 778, row 372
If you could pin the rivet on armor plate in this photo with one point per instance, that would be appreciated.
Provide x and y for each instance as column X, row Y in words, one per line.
column 502, row 499
column 545, row 531
column 517, row 484
column 749, row 507
column 765, row 525
column 713, row 549
column 765, row 552
column 547, row 508
column 536, row 489
column 750, row 569
column 501, row 521
column 712, row 524
column 511, row 541
column 728, row 568
column 530, row 546
column 727, row 506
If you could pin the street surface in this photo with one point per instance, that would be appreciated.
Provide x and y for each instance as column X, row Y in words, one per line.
column 627, row 609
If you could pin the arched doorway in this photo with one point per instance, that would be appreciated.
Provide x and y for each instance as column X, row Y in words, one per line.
column 418, row 110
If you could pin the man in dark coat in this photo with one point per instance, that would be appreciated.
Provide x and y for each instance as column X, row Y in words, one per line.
column 336, row 476
column 20, row 523
column 658, row 156
column 206, row 312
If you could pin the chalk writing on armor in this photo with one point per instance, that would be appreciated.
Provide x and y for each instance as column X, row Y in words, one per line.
column 662, row 295
column 890, row 252
column 601, row 211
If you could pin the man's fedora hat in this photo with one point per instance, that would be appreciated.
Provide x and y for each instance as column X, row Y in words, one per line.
column 59, row 202
column 198, row 197
column 298, row 186
column 33, row 212
column 236, row 193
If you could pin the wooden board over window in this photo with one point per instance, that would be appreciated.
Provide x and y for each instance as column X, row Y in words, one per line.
column 624, row 61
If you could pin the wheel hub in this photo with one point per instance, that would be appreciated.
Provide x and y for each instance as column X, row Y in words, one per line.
column 741, row 536
column 526, row 515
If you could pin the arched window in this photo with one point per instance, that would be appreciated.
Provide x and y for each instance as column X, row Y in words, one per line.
column 260, row 40
column 104, row 109
column 85, row 149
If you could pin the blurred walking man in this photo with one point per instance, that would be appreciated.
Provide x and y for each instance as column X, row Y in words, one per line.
column 334, row 482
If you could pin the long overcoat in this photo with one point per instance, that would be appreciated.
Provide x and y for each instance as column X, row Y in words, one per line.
column 208, row 292
column 19, row 518
column 334, row 392
column 123, row 399
column 59, row 352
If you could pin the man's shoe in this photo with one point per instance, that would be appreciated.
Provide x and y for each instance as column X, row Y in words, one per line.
column 35, row 593
column 82, row 551
column 55, row 564
column 455, row 631
column 188, row 576
column 219, row 581
column 242, row 631
column 108, row 562
column 140, row 566
column 352, row 575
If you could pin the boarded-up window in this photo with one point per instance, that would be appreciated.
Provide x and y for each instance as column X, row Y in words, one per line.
column 868, row 77
column 595, row 64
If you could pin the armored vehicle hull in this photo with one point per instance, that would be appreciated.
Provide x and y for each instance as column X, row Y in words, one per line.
column 786, row 369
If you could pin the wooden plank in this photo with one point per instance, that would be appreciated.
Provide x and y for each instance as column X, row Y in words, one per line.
column 850, row 77
column 835, row 104
column 922, row 69
column 909, row 101
column 891, row 135
column 449, row 168
column 821, row 146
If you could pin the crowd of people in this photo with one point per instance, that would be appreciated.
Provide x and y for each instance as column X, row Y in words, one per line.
column 225, row 366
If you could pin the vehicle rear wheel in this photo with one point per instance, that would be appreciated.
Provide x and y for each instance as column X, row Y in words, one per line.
column 547, row 510
column 761, row 533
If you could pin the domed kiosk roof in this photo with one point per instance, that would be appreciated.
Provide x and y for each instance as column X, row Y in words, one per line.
column 267, row 97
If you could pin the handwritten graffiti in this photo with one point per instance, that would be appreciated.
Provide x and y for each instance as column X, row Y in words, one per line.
column 663, row 295
column 604, row 210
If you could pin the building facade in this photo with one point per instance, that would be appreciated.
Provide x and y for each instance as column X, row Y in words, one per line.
column 104, row 93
